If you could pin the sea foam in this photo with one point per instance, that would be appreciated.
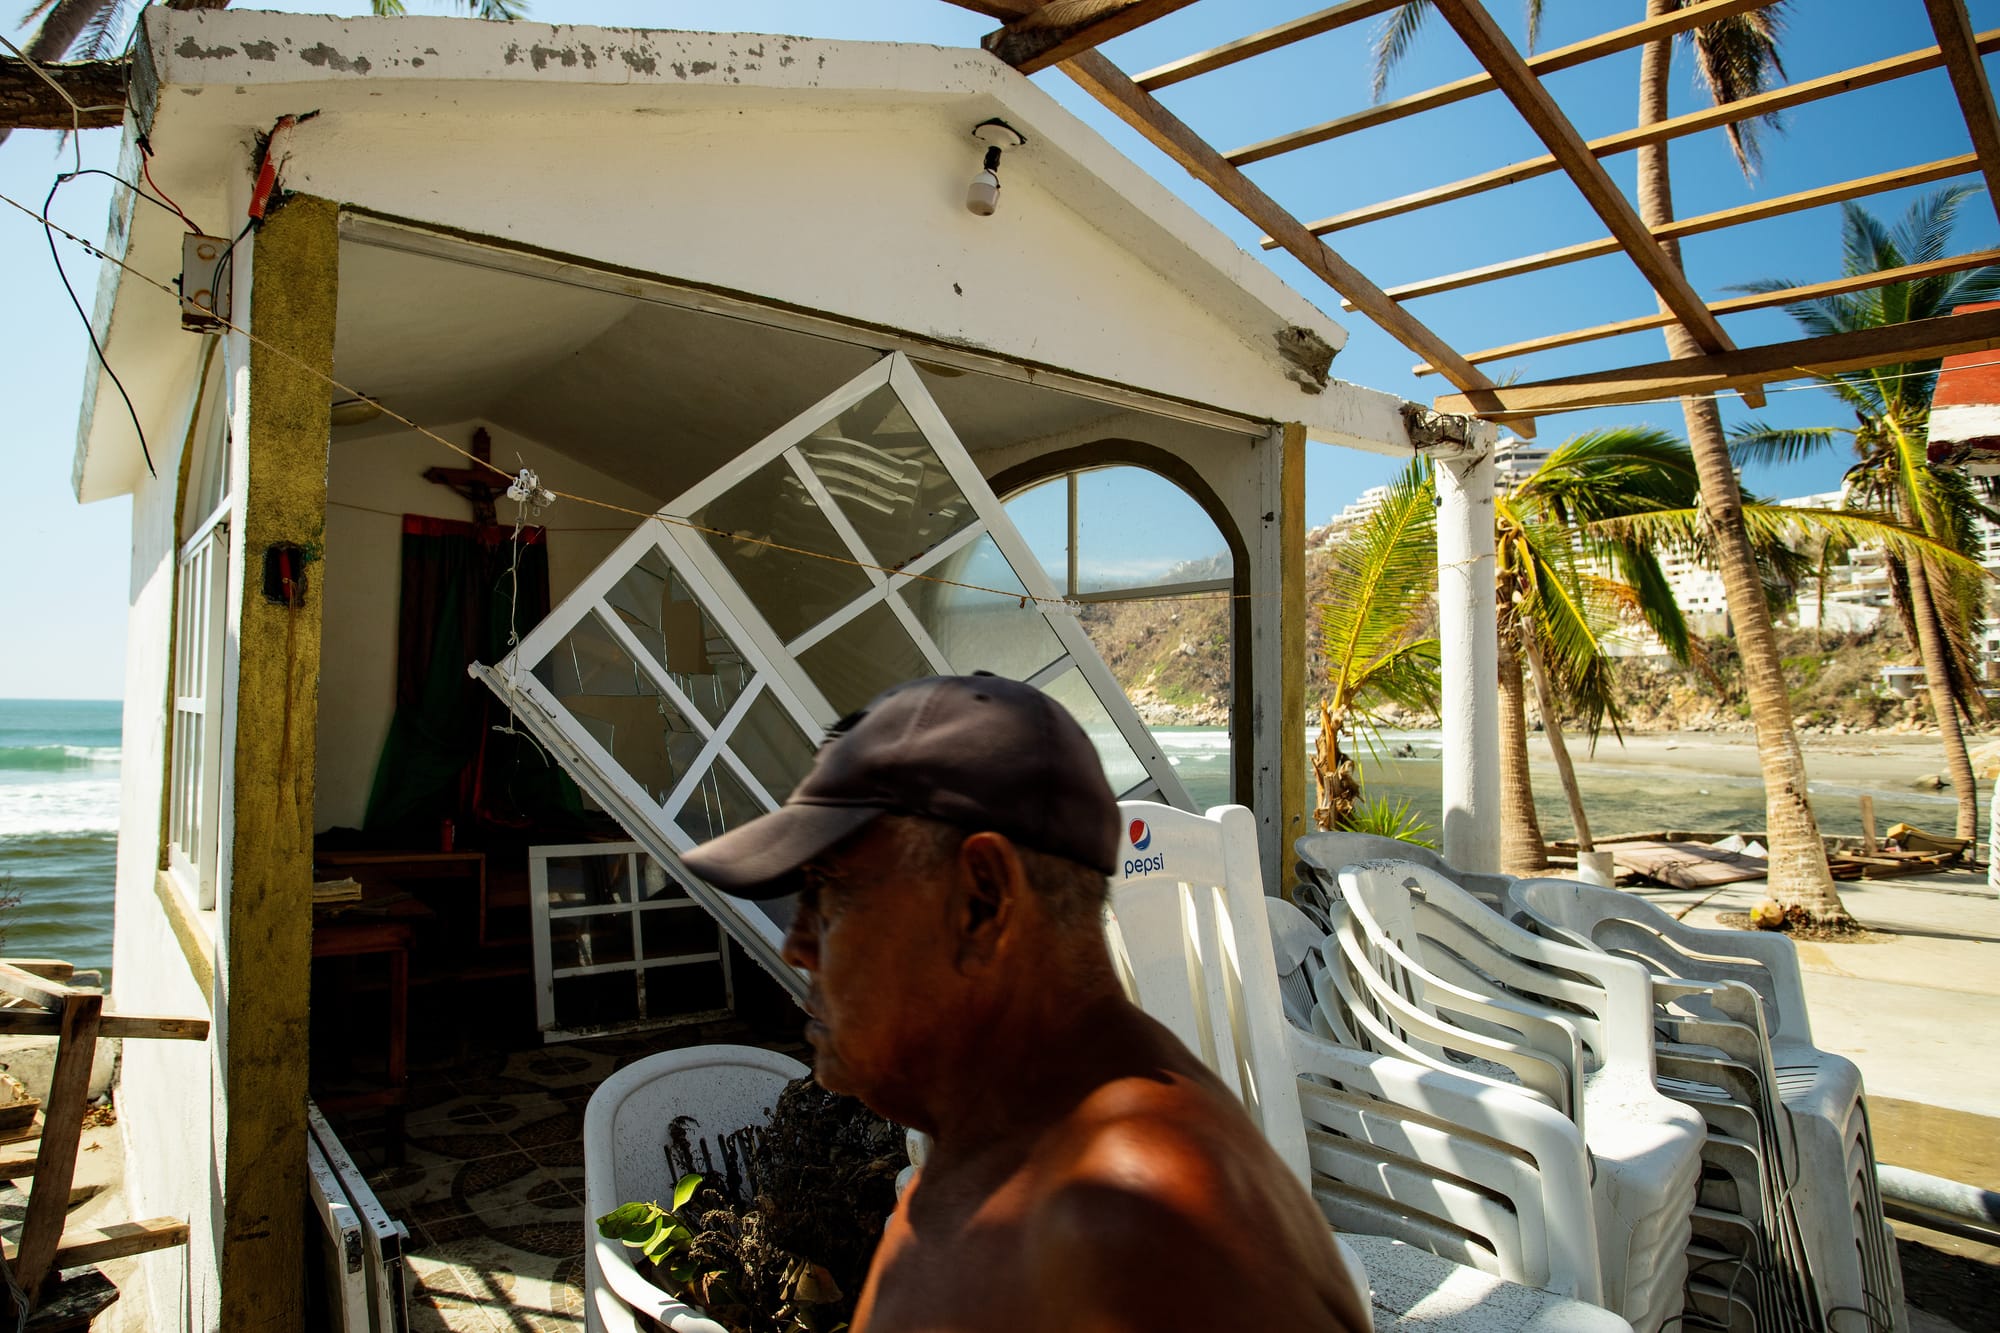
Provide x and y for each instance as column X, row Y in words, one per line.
column 59, row 808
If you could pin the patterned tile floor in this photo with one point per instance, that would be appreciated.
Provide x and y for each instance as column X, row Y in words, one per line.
column 491, row 1180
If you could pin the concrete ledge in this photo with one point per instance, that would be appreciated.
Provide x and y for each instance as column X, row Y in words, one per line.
column 32, row 1060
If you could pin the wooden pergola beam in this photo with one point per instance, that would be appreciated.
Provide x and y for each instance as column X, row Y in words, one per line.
column 1167, row 132
column 1736, row 305
column 1780, row 206
column 27, row 103
column 1518, row 83
column 1968, row 81
column 1054, row 33
column 1549, row 62
column 1861, row 349
column 1270, row 39
column 1693, row 122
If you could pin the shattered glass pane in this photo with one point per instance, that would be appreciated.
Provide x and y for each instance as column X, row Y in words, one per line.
column 983, row 631
column 863, row 658
column 768, row 511
column 717, row 804
column 771, row 746
column 887, row 479
column 617, row 703
column 664, row 616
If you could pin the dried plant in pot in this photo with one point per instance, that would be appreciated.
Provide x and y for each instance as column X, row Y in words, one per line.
column 772, row 1229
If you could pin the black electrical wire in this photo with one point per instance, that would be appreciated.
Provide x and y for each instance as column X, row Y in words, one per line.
column 49, row 231
column 112, row 175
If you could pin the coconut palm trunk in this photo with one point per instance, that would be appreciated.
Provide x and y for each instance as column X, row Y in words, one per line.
column 1799, row 874
column 1522, row 851
column 1545, row 701
column 1937, row 677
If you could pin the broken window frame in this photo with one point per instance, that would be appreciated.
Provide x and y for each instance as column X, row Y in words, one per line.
column 777, row 669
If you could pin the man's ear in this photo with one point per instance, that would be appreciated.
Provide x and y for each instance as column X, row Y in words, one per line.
column 991, row 881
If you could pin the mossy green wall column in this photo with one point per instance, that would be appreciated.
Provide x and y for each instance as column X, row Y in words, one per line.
column 266, row 963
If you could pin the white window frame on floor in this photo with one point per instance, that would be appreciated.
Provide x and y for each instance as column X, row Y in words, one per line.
column 649, row 1010
column 777, row 669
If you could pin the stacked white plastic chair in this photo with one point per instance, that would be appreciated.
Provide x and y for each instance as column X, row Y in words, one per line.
column 1421, row 969
column 721, row 1089
column 1468, row 1204
column 1791, row 1179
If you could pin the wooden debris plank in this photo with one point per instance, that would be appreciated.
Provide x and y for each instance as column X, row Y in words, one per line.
column 81, row 1246
column 16, row 1165
column 24, row 1133
column 37, row 1023
column 1689, row 865
column 52, row 969
column 62, row 1129
column 38, row 991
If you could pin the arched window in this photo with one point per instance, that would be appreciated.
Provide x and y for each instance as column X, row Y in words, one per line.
column 1153, row 575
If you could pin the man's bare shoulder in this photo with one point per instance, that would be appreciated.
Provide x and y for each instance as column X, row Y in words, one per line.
column 1165, row 1214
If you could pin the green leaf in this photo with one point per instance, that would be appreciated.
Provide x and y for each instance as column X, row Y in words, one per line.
column 629, row 1219
column 684, row 1190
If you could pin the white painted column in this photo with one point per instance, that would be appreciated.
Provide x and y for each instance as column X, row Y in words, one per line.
column 1469, row 653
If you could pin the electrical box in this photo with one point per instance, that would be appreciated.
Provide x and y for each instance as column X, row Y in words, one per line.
column 206, row 269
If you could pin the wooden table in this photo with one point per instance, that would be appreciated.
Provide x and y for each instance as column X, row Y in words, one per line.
column 401, row 866
column 379, row 924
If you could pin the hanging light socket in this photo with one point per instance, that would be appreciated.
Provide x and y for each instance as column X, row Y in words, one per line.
column 983, row 195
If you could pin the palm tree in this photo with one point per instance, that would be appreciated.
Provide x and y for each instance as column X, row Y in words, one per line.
column 1375, row 609
column 1562, row 588
column 1735, row 57
column 1941, row 608
column 1577, row 547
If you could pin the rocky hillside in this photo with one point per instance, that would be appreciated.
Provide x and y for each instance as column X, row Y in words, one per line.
column 1173, row 659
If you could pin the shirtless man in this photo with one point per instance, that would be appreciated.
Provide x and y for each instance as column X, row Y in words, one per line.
column 950, row 850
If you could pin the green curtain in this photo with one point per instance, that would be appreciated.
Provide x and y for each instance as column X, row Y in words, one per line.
column 466, row 591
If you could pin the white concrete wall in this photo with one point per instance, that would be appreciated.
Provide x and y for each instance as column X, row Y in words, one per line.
column 373, row 481
column 166, row 1089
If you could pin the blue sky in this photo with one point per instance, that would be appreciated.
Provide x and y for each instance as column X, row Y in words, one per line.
column 64, row 589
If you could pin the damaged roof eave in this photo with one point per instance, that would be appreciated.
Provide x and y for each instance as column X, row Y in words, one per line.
column 455, row 71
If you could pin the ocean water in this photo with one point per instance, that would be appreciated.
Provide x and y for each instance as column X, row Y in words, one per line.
column 59, row 826
column 1616, row 800
column 59, row 809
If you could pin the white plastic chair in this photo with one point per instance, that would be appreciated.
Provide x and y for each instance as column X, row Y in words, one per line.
column 1426, row 971
column 1481, row 1184
column 1823, row 1155
column 722, row 1089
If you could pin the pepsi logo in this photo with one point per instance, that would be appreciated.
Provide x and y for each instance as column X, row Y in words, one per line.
column 1141, row 836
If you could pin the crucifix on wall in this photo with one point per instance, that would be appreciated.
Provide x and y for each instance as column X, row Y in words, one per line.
column 481, row 486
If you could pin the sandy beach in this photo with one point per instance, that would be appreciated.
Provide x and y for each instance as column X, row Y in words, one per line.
column 1890, row 761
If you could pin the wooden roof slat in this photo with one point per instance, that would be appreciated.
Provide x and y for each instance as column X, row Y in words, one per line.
column 1548, row 62
column 1861, row 349
column 1257, row 43
column 1693, row 122
column 1035, row 43
column 1968, row 81
column 1779, row 206
column 27, row 103
column 1167, row 132
column 1736, row 305
column 1482, row 35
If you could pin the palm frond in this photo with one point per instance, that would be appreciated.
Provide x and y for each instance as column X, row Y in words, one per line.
column 36, row 10
column 1378, row 583
column 1757, row 442
column 1735, row 58
column 104, row 35
column 1393, row 39
column 500, row 10
column 1406, row 676
column 1771, row 525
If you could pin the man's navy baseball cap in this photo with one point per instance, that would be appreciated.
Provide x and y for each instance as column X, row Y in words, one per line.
column 979, row 752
